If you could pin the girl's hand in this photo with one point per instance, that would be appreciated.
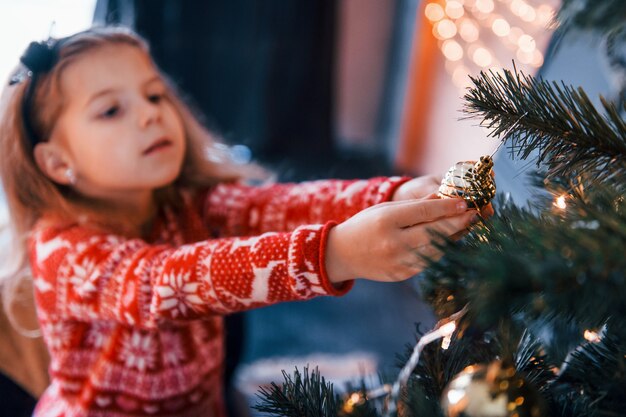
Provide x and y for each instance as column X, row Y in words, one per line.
column 386, row 242
column 417, row 188
column 427, row 186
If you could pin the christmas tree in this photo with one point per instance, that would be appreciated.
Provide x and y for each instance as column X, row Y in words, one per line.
column 537, row 294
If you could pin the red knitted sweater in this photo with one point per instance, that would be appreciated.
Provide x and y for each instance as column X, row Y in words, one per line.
column 134, row 327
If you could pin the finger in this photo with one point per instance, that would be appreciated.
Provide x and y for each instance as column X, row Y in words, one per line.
column 434, row 179
column 431, row 196
column 448, row 227
column 413, row 212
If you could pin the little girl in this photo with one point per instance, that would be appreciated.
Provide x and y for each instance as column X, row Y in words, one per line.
column 140, row 233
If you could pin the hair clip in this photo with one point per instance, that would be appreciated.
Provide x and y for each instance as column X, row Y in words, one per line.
column 38, row 58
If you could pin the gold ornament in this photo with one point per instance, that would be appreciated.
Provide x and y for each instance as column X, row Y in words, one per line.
column 494, row 390
column 471, row 181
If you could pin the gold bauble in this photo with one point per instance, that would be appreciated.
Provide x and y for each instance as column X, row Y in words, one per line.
column 493, row 390
column 470, row 180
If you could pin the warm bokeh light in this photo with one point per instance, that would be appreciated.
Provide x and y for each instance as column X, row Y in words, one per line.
column 501, row 27
column 460, row 77
column 445, row 29
column 454, row 9
column 452, row 50
column 485, row 33
column 518, row 7
column 482, row 57
column 524, row 57
column 537, row 59
column 484, row 6
column 545, row 14
column 526, row 43
column 468, row 30
column 529, row 15
column 434, row 12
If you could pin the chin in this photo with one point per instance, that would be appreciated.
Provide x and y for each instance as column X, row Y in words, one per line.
column 167, row 178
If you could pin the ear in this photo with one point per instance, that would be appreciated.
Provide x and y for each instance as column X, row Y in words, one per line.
column 53, row 161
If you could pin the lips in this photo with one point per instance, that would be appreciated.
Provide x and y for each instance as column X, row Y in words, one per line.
column 157, row 146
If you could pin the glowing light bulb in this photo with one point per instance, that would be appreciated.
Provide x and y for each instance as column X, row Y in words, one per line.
column 454, row 9
column 560, row 202
column 501, row 27
column 452, row 50
column 484, row 6
column 482, row 57
column 445, row 343
column 468, row 31
column 434, row 12
column 526, row 43
column 447, row 329
column 444, row 29
column 591, row 336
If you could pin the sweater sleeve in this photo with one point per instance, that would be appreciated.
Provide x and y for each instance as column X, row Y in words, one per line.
column 83, row 275
column 234, row 209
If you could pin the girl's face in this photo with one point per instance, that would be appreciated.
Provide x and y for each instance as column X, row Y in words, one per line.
column 118, row 131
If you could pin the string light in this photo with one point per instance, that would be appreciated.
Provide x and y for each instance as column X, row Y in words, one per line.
column 354, row 400
column 466, row 30
column 560, row 202
column 591, row 336
column 443, row 331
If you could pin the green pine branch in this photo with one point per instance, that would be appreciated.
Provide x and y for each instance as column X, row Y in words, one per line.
column 304, row 395
column 560, row 122
column 568, row 266
column 594, row 379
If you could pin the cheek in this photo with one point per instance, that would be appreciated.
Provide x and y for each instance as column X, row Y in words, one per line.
column 174, row 122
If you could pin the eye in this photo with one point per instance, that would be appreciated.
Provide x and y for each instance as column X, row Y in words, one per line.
column 155, row 98
column 110, row 112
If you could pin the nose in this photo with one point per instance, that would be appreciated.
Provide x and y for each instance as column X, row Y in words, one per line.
column 149, row 113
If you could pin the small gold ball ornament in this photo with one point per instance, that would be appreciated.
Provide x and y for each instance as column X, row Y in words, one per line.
column 471, row 181
column 493, row 390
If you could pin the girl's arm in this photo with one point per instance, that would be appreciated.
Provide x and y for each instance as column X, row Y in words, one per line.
column 235, row 209
column 83, row 275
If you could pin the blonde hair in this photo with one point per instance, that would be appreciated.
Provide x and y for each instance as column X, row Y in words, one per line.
column 30, row 194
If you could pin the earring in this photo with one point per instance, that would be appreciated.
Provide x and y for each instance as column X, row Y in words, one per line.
column 71, row 176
